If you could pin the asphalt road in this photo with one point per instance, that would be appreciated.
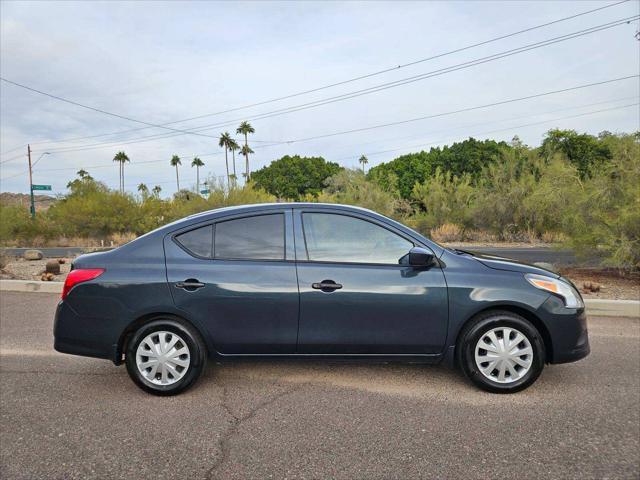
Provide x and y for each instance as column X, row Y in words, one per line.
column 72, row 417
column 525, row 254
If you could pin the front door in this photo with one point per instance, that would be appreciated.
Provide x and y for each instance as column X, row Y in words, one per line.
column 237, row 278
column 356, row 297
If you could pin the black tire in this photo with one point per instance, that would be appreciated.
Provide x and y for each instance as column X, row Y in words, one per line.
column 192, row 339
column 477, row 328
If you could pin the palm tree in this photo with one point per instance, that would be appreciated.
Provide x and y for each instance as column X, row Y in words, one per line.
column 233, row 146
column 156, row 190
column 175, row 161
column 246, row 150
column 223, row 141
column 82, row 173
column 196, row 162
column 121, row 157
column 143, row 189
column 363, row 160
column 245, row 128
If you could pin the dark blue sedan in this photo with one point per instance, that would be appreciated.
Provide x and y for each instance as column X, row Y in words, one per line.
column 313, row 280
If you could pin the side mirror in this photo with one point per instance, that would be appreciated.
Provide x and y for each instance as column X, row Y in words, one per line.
column 420, row 257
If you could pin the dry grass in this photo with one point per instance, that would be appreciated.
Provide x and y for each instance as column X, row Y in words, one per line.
column 448, row 232
column 113, row 240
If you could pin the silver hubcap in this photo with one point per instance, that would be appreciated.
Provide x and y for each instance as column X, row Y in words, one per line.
column 163, row 358
column 504, row 355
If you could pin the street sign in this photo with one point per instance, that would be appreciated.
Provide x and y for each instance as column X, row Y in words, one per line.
column 204, row 192
column 41, row 187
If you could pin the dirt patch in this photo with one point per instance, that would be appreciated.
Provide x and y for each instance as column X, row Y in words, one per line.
column 607, row 284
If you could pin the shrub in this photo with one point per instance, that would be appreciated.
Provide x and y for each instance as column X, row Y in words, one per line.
column 448, row 232
column 445, row 198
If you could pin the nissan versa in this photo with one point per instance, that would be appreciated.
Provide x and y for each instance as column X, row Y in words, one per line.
column 313, row 280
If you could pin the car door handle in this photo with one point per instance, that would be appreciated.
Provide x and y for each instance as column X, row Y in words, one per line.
column 326, row 286
column 189, row 284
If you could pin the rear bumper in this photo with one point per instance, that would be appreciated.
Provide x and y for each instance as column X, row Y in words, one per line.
column 567, row 329
column 77, row 336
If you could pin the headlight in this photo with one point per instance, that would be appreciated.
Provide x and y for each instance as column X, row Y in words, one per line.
column 569, row 294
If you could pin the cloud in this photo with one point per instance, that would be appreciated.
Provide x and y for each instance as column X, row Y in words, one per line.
column 164, row 61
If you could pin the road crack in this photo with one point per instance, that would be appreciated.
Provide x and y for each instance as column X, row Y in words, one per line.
column 237, row 422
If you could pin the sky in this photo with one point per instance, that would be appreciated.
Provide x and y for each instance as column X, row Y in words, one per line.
column 161, row 62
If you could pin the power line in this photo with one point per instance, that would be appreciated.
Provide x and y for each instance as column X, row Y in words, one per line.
column 464, row 127
column 421, row 145
column 361, row 77
column 373, row 89
column 401, row 122
column 399, row 148
column 462, row 110
column 475, row 134
column 99, row 110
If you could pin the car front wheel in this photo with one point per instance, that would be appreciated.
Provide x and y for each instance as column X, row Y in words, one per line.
column 165, row 357
column 501, row 352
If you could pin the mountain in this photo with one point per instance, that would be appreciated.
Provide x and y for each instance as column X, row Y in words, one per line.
column 42, row 202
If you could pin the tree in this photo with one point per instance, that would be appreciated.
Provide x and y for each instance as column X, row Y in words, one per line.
column 223, row 141
column 196, row 162
column 121, row 158
column 469, row 156
column 156, row 190
column 246, row 150
column 233, row 146
column 143, row 189
column 175, row 161
column 295, row 177
column 245, row 128
column 363, row 161
column 584, row 151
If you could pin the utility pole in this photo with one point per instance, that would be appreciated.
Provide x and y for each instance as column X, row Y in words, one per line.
column 33, row 203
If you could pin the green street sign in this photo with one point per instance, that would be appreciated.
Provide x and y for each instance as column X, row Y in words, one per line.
column 204, row 192
column 41, row 187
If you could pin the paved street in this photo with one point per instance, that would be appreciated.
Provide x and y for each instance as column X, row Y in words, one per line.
column 72, row 417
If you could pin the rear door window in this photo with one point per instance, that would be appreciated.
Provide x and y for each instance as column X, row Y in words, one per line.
column 259, row 237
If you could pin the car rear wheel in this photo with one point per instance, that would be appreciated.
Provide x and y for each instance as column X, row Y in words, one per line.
column 501, row 352
column 165, row 356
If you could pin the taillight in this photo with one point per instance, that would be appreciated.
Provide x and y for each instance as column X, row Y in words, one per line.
column 78, row 276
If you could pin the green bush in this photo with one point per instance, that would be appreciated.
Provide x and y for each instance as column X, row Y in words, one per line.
column 605, row 217
column 579, row 187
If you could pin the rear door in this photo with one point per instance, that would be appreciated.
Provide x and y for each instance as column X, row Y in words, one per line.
column 355, row 296
column 237, row 277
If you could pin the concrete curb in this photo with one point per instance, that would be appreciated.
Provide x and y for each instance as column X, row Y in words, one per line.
column 613, row 308
column 602, row 308
column 30, row 286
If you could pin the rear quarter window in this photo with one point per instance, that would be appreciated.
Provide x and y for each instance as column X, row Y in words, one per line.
column 198, row 242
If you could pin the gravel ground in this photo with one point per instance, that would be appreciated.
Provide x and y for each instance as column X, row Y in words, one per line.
column 612, row 286
column 21, row 269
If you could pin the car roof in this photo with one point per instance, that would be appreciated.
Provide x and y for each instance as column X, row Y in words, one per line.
column 260, row 206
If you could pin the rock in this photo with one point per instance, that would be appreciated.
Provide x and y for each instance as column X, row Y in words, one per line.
column 33, row 255
column 52, row 267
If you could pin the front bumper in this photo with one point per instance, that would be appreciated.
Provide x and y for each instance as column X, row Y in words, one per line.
column 568, row 331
